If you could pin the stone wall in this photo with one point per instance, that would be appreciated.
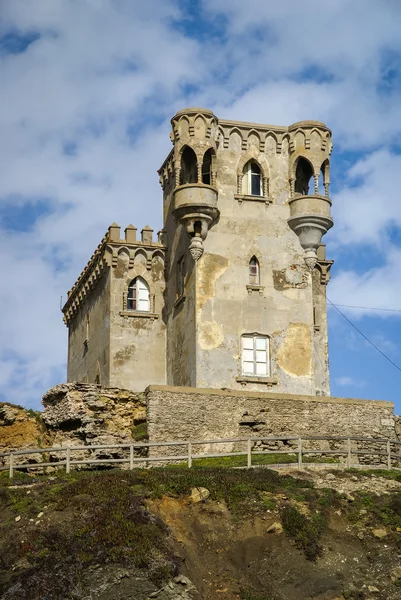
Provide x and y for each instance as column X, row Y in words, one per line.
column 89, row 337
column 87, row 414
column 194, row 414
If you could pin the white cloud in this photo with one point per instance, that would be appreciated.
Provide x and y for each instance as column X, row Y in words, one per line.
column 98, row 70
column 350, row 381
column 84, row 118
column 379, row 287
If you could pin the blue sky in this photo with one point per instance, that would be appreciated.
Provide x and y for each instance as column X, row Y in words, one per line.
column 88, row 88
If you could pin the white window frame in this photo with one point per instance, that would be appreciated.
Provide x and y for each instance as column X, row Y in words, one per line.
column 247, row 188
column 142, row 295
column 255, row 355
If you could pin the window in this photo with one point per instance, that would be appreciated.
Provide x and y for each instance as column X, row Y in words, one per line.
column 207, row 167
column 180, row 277
column 255, row 355
column 188, row 173
column 254, row 277
column 252, row 180
column 303, row 175
column 138, row 295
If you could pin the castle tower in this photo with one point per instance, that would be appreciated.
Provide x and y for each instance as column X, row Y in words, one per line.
column 245, row 268
column 233, row 292
column 116, row 334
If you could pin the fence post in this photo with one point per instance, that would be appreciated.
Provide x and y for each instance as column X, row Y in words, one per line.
column 249, row 453
column 388, row 455
column 11, row 465
column 189, row 455
column 299, row 453
column 349, row 453
column 67, row 460
column 131, row 456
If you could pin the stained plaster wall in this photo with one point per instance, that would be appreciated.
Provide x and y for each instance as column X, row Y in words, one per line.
column 225, row 309
column 89, row 342
column 138, row 344
column 202, row 414
column 219, row 308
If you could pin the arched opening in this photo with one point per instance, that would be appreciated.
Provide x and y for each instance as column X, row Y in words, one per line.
column 207, row 167
column 325, row 178
column 138, row 295
column 303, row 175
column 254, row 271
column 252, row 179
column 188, row 173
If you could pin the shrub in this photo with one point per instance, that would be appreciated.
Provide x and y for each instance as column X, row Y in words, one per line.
column 305, row 531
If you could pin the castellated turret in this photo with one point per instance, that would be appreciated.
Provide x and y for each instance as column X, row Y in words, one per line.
column 233, row 292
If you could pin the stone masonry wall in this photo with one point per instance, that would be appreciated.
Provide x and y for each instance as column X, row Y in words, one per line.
column 196, row 414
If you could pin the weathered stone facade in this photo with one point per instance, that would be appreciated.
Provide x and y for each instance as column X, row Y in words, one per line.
column 195, row 414
column 239, row 262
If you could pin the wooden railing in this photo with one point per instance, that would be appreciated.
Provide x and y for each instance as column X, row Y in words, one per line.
column 382, row 449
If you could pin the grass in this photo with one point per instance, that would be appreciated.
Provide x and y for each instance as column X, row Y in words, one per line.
column 384, row 509
column 262, row 458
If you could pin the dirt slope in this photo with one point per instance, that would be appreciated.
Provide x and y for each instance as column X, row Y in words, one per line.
column 201, row 534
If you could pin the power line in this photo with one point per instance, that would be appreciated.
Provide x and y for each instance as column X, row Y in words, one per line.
column 359, row 331
column 368, row 307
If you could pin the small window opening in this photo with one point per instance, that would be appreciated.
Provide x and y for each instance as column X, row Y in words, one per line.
column 188, row 173
column 207, row 168
column 321, row 183
column 138, row 295
column 324, row 178
column 86, row 340
column 254, row 271
column 181, row 277
column 197, row 228
column 255, row 355
column 252, row 180
column 303, row 175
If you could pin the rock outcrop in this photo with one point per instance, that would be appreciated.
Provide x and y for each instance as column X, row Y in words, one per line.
column 85, row 414
column 21, row 428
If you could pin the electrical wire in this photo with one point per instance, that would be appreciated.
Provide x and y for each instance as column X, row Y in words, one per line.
column 394, row 310
column 359, row 331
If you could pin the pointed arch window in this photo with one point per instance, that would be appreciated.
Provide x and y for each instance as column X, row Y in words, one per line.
column 252, row 179
column 303, row 175
column 188, row 173
column 138, row 295
column 254, row 271
column 207, row 167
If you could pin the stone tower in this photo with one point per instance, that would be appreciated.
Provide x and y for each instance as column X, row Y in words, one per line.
column 233, row 293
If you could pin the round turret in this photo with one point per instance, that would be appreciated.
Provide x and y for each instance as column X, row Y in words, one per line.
column 195, row 195
column 310, row 149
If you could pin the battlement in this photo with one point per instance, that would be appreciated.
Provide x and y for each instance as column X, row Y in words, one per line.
column 106, row 256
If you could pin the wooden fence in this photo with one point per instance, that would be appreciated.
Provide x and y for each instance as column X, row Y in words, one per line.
column 350, row 452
